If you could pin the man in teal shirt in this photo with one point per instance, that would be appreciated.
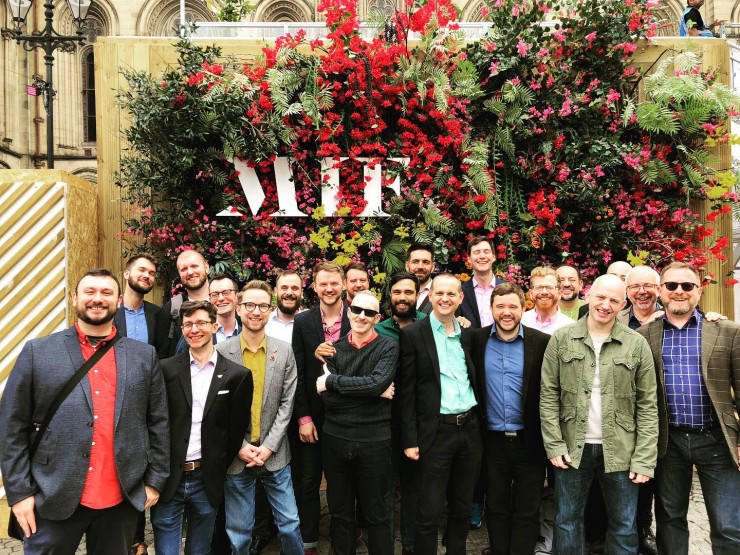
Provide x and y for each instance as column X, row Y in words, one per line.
column 440, row 416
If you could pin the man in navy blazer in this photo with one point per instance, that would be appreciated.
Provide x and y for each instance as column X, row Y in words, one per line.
column 476, row 303
column 140, row 274
column 105, row 455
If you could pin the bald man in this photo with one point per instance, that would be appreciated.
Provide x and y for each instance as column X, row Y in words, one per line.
column 598, row 409
column 619, row 268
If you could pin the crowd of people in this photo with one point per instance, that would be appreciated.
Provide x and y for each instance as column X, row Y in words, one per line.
column 221, row 412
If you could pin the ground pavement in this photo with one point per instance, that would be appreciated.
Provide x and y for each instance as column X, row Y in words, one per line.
column 477, row 540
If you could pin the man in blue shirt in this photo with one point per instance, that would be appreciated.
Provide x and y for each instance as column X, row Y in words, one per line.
column 508, row 363
column 697, row 364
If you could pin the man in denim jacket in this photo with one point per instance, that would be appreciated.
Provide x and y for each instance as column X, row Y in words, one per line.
column 599, row 419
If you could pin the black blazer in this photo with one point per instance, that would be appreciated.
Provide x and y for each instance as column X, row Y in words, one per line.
column 419, row 383
column 308, row 333
column 535, row 343
column 469, row 305
column 150, row 313
column 226, row 420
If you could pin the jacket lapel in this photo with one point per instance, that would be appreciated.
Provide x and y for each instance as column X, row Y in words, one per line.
column 75, row 354
column 428, row 336
column 470, row 298
column 270, row 361
column 150, row 314
column 121, row 377
column 708, row 340
column 216, row 381
column 184, row 376
column 528, row 363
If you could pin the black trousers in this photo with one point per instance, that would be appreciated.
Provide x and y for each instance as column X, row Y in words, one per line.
column 307, row 467
column 455, row 458
column 109, row 532
column 513, row 492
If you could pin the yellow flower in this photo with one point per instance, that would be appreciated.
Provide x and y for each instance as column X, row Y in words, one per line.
column 380, row 278
column 319, row 212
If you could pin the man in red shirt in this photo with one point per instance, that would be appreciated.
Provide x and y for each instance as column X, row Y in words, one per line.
column 88, row 475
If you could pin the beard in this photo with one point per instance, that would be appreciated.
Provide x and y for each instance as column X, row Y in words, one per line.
column 288, row 310
column 401, row 313
column 545, row 304
column 201, row 283
column 568, row 296
column 139, row 288
column 99, row 321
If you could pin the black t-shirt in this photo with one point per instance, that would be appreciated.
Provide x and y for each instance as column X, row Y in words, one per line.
column 694, row 20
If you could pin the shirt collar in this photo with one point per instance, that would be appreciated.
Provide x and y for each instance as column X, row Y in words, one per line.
column 547, row 319
column 693, row 321
column 520, row 333
column 341, row 313
column 261, row 347
column 83, row 339
column 351, row 339
column 198, row 367
column 477, row 285
column 440, row 327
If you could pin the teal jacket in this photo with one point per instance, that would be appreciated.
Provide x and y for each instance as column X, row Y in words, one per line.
column 628, row 397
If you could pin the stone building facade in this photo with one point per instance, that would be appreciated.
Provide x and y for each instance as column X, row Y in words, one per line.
column 22, row 117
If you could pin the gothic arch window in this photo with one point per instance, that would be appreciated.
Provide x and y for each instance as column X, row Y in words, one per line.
column 161, row 18
column 386, row 7
column 666, row 16
column 283, row 11
column 472, row 11
column 89, row 129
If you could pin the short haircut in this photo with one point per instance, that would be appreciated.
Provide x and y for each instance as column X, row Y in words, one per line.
column 420, row 247
column 326, row 266
column 542, row 271
column 256, row 284
column 355, row 266
column 188, row 308
column 643, row 270
column 578, row 272
column 507, row 288
column 366, row 293
column 478, row 240
column 285, row 273
column 224, row 276
column 99, row 272
column 145, row 255
column 676, row 265
column 400, row 276
column 444, row 275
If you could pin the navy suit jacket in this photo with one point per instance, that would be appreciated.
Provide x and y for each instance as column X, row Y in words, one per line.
column 56, row 475
column 469, row 305
column 150, row 313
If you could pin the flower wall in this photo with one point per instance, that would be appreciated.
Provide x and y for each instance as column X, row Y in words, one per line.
column 531, row 135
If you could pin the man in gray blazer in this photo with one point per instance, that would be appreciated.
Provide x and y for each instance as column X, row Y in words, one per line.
column 265, row 454
column 105, row 455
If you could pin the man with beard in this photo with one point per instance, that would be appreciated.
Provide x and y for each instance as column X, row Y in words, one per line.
column 87, row 475
column 476, row 304
column 570, row 288
column 356, row 279
column 420, row 262
column 136, row 318
column 289, row 294
column 697, row 365
column 322, row 324
column 404, row 289
column 544, row 287
column 193, row 270
column 222, row 293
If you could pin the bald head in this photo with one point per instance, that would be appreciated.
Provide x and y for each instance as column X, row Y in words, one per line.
column 619, row 268
column 193, row 270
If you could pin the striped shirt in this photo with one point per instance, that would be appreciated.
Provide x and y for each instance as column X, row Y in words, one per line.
column 687, row 397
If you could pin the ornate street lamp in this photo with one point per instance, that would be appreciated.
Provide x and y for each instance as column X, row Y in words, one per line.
column 47, row 40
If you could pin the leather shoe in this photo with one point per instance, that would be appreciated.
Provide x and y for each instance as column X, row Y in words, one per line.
column 648, row 545
column 486, row 551
column 407, row 551
column 258, row 545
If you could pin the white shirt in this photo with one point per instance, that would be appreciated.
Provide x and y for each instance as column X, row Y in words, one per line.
column 593, row 431
column 200, row 380
column 277, row 328
column 423, row 293
column 549, row 325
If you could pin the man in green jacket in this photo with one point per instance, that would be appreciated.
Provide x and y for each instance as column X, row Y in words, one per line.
column 599, row 419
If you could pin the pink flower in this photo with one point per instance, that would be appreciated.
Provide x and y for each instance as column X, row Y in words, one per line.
column 613, row 96
column 484, row 11
column 522, row 47
column 591, row 36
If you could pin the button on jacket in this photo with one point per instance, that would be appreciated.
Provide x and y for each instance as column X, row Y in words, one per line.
column 628, row 397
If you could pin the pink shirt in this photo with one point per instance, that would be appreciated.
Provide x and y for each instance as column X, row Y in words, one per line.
column 483, row 298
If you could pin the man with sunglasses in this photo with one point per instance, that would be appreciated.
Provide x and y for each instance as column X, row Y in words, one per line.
column 697, row 364
column 357, row 388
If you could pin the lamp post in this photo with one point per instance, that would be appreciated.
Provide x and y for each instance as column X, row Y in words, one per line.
column 48, row 40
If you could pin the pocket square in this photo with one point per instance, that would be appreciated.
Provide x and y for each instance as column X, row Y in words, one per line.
column 223, row 391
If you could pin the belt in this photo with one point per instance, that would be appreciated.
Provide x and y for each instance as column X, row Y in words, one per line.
column 189, row 466
column 690, row 430
column 508, row 435
column 457, row 419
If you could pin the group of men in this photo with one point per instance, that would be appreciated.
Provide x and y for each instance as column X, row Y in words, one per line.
column 223, row 411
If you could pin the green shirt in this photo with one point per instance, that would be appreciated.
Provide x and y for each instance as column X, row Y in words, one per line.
column 457, row 393
column 573, row 312
column 390, row 328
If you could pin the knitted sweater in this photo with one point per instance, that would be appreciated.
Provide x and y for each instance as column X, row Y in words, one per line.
column 355, row 411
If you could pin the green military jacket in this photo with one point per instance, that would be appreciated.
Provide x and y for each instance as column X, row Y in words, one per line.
column 628, row 397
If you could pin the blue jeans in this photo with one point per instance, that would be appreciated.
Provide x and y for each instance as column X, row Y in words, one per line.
column 620, row 497
column 190, row 500
column 720, row 484
column 239, row 492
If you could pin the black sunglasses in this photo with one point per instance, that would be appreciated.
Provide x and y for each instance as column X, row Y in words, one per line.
column 684, row 285
column 369, row 312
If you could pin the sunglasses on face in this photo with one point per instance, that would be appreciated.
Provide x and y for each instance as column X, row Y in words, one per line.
column 370, row 313
column 685, row 286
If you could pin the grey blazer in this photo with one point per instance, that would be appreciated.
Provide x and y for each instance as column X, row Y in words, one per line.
column 56, row 475
column 277, row 400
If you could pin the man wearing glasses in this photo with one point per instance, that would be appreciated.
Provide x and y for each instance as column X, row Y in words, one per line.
column 697, row 364
column 209, row 399
column 264, row 454
column 222, row 293
column 544, row 288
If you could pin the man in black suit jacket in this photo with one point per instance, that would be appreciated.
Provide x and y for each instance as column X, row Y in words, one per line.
column 508, row 364
column 313, row 332
column 140, row 273
column 420, row 262
column 440, row 417
column 209, row 403
column 476, row 303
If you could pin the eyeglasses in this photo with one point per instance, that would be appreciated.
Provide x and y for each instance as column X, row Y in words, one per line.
column 544, row 288
column 646, row 286
column 357, row 310
column 685, row 286
column 200, row 324
column 249, row 307
column 225, row 293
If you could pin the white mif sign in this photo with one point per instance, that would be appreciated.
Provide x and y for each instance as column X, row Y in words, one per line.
column 287, row 202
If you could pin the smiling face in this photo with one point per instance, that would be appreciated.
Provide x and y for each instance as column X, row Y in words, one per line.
column 545, row 292
column 193, row 270
column 680, row 302
column 198, row 330
column 254, row 320
column 403, row 299
column 96, row 300
column 643, row 284
column 570, row 283
column 507, row 313
column 482, row 257
column 328, row 287
column 421, row 264
column 141, row 275
column 445, row 295
column 362, row 324
column 356, row 281
column 289, row 293
column 606, row 298
column 223, row 296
